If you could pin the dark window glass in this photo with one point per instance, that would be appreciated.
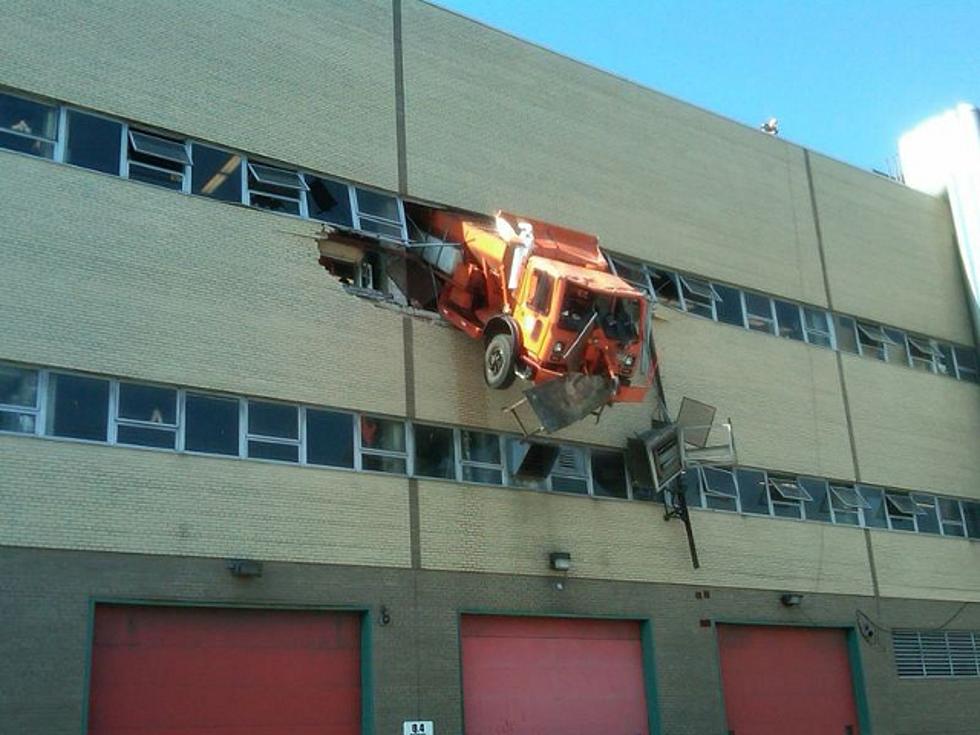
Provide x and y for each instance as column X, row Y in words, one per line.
column 897, row 350
column 81, row 407
column 329, row 438
column 18, row 386
column 971, row 512
column 928, row 522
column 729, row 309
column 817, row 327
column 273, row 419
column 966, row 364
column 666, row 288
column 846, row 335
column 719, row 489
column 944, row 359
column 949, row 514
column 378, row 463
column 273, row 450
column 788, row 316
column 483, row 475
column 540, row 299
column 759, row 313
column 376, row 204
column 435, row 455
column 530, row 463
column 147, row 403
column 478, row 446
column 329, row 201
column 274, row 204
column 156, row 160
column 93, row 142
column 211, row 424
column 752, row 491
column 22, row 423
column 609, row 474
column 27, row 126
column 216, row 173
column 383, row 434
column 145, row 436
column 817, row 509
column 876, row 515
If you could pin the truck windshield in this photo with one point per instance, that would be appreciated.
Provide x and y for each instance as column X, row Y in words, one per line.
column 618, row 317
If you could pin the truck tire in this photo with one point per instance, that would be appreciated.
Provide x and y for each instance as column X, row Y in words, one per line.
column 498, row 361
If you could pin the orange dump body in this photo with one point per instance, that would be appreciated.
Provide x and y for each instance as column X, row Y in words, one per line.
column 572, row 313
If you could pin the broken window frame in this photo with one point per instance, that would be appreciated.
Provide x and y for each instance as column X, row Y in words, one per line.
column 135, row 143
column 697, row 296
column 34, row 412
column 621, row 265
column 666, row 278
column 253, row 187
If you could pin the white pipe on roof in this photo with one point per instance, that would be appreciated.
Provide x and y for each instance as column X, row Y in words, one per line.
column 942, row 155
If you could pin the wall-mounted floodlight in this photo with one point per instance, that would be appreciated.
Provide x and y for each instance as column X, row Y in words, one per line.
column 561, row 561
column 791, row 599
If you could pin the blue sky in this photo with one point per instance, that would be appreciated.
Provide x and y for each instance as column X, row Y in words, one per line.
column 844, row 78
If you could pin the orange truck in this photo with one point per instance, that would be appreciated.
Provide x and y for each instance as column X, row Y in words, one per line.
column 548, row 308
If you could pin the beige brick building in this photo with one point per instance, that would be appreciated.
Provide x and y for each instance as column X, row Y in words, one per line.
column 181, row 384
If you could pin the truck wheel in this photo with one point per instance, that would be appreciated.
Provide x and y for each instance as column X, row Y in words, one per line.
column 498, row 362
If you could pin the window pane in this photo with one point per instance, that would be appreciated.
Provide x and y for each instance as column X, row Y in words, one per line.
column 381, row 228
column 753, row 491
column 966, row 363
column 574, row 485
column 698, row 296
column 720, row 489
column 729, row 309
column 32, row 126
column 80, row 407
column 435, row 455
column 897, row 351
column 273, row 419
column 158, row 147
column 93, row 142
column 971, row 512
column 480, row 447
column 928, row 522
column 376, row 204
column 268, row 176
column 609, row 474
column 152, row 175
column 949, row 510
column 382, row 434
column 329, row 201
column 393, row 465
column 18, row 386
column 874, row 516
column 483, row 475
column 211, row 424
column 944, row 359
column 872, row 341
column 540, row 299
column 272, row 450
column 759, row 312
column 788, row 316
column 817, row 509
column 329, row 438
column 665, row 286
column 147, row 403
column 846, row 334
column 273, row 204
column 216, row 173
column 817, row 327
column 22, row 423
column 144, row 436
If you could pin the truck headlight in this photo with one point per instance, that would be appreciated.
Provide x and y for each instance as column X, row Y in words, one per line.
column 628, row 361
column 559, row 348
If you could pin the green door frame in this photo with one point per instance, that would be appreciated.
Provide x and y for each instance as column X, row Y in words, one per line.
column 853, row 658
column 646, row 647
column 366, row 647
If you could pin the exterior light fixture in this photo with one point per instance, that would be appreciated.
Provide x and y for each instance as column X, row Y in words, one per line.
column 561, row 561
column 791, row 599
column 244, row 567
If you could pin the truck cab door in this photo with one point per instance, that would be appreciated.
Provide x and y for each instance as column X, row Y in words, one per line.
column 533, row 311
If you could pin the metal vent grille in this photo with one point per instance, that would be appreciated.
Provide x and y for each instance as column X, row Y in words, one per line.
column 924, row 654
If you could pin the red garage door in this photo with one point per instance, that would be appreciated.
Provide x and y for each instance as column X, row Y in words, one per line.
column 783, row 679
column 552, row 676
column 197, row 671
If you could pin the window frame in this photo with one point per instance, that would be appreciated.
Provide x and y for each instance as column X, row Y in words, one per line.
column 249, row 172
column 705, row 490
column 64, row 134
column 357, row 214
column 407, row 455
column 115, row 420
column 463, row 464
column 299, row 442
column 37, row 410
column 829, row 333
column 56, row 143
column 708, row 293
column 128, row 140
column 773, row 330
